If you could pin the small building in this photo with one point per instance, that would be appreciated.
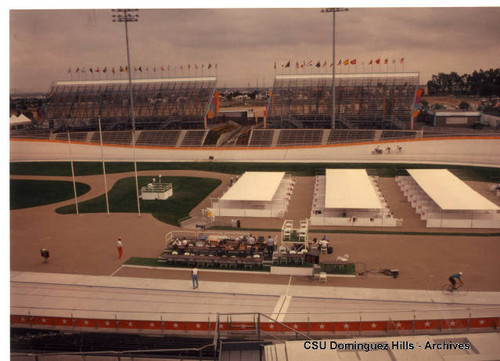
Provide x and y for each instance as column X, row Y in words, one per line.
column 156, row 191
column 453, row 118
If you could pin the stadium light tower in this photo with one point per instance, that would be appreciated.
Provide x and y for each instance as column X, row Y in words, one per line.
column 333, row 11
column 126, row 16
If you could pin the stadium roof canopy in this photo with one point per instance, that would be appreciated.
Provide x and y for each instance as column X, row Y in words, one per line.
column 350, row 189
column 255, row 186
column 449, row 192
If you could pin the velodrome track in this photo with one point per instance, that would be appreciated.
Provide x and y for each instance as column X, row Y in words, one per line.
column 458, row 151
column 85, row 244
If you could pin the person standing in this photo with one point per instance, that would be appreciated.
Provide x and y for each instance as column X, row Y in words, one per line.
column 194, row 277
column 270, row 246
column 120, row 247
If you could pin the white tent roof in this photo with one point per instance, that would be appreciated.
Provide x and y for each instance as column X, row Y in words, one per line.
column 19, row 120
column 449, row 192
column 254, row 186
column 350, row 189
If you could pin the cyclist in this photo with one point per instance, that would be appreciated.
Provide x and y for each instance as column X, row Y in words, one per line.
column 453, row 279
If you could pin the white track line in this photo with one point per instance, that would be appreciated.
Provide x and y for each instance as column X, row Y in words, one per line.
column 112, row 274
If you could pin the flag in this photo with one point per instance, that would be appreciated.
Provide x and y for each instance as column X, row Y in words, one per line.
column 202, row 66
column 309, row 63
column 302, row 66
column 371, row 62
column 182, row 68
column 196, row 66
column 154, row 69
column 318, row 64
column 125, row 69
column 331, row 65
column 135, row 68
column 353, row 61
column 287, row 64
column 340, row 62
column 377, row 61
column 97, row 70
column 209, row 65
column 113, row 70
column 140, row 68
column 297, row 65
column 121, row 68
column 84, row 70
column 105, row 69
column 346, row 62
column 189, row 66
column 402, row 60
column 274, row 65
column 90, row 69
column 394, row 61
column 386, row 61
column 324, row 64
column 77, row 70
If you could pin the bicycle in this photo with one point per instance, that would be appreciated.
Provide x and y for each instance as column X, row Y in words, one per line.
column 448, row 289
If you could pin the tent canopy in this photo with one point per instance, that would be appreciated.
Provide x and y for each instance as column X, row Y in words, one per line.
column 350, row 189
column 449, row 192
column 255, row 186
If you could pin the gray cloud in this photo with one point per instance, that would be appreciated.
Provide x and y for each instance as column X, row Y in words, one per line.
column 245, row 43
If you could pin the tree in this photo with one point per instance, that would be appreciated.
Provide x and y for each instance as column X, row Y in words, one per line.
column 464, row 105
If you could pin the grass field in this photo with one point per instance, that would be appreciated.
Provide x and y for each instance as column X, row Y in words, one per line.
column 33, row 193
column 187, row 193
column 484, row 174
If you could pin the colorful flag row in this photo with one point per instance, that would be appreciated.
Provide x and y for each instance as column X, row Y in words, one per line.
column 124, row 69
column 319, row 64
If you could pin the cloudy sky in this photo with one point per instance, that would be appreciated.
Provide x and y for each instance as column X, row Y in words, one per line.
column 245, row 43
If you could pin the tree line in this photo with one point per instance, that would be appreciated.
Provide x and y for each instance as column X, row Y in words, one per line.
column 479, row 83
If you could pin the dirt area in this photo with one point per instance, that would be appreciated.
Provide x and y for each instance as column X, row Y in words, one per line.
column 86, row 243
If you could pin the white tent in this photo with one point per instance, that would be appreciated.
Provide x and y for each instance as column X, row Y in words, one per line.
column 349, row 197
column 443, row 200
column 16, row 121
column 255, row 194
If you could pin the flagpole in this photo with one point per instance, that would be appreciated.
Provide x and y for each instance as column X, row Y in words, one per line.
column 73, row 173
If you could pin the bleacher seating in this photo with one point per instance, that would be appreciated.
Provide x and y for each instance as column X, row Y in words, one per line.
column 261, row 138
column 289, row 137
column 74, row 137
column 350, row 135
column 30, row 133
column 398, row 134
column 124, row 137
column 193, row 138
column 167, row 138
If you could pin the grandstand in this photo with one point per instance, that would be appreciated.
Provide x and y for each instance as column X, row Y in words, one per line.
column 369, row 100
column 162, row 103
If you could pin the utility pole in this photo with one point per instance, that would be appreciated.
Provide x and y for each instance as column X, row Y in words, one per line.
column 126, row 16
column 333, row 11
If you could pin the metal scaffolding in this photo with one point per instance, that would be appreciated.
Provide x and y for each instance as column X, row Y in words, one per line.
column 164, row 103
column 370, row 100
